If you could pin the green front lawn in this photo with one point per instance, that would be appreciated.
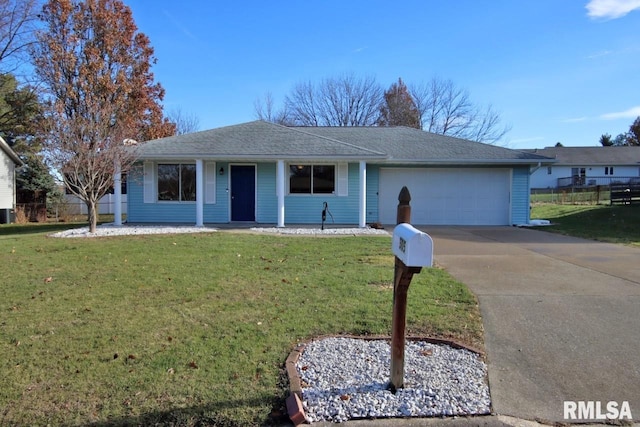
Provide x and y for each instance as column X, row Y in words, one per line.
column 190, row 329
column 615, row 224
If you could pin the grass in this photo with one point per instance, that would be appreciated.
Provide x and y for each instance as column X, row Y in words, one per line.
column 190, row 329
column 72, row 221
column 614, row 224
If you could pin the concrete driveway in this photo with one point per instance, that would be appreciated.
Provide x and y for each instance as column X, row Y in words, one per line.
column 561, row 316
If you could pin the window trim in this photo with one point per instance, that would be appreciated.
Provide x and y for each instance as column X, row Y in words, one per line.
column 311, row 193
column 157, row 184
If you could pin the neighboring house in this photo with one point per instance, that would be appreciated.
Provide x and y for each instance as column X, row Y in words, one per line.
column 9, row 161
column 266, row 173
column 586, row 166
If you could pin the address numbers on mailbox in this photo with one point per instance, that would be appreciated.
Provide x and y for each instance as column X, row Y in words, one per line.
column 412, row 246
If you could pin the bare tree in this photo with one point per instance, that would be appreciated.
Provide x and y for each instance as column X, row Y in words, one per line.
column 18, row 103
column 339, row 101
column 185, row 122
column 265, row 110
column 95, row 66
column 486, row 127
column 440, row 107
column 448, row 110
column 17, row 18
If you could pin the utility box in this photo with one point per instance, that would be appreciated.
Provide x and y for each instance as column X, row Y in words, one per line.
column 412, row 246
column 7, row 216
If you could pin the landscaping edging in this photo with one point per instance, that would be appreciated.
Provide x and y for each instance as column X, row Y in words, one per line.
column 294, row 402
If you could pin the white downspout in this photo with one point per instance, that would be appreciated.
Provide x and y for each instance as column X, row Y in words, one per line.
column 533, row 170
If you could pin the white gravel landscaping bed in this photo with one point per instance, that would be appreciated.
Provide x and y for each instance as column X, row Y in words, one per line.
column 318, row 231
column 346, row 378
column 111, row 229
column 126, row 230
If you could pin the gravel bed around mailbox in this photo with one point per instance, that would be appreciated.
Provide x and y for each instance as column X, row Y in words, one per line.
column 347, row 378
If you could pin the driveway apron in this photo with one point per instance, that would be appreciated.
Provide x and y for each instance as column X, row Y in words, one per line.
column 561, row 316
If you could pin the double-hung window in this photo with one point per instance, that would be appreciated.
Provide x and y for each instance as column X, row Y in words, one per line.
column 177, row 182
column 312, row 179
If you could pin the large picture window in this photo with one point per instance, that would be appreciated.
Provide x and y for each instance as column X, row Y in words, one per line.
column 312, row 179
column 177, row 182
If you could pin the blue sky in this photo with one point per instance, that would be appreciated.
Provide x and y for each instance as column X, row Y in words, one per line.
column 556, row 70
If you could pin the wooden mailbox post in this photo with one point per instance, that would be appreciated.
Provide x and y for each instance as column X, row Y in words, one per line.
column 413, row 250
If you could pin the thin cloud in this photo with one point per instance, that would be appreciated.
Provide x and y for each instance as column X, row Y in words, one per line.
column 600, row 54
column 179, row 25
column 631, row 113
column 610, row 9
column 574, row 120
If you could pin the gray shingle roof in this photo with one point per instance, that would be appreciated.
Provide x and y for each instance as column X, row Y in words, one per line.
column 255, row 140
column 262, row 140
column 407, row 145
column 583, row 156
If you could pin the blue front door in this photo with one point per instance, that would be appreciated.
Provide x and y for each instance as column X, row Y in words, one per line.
column 243, row 193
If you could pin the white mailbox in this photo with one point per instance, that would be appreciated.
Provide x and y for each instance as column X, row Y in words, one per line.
column 413, row 247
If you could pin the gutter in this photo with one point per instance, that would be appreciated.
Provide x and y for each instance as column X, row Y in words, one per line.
column 259, row 158
column 459, row 162
column 12, row 154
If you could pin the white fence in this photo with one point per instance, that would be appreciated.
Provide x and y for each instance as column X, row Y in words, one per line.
column 106, row 205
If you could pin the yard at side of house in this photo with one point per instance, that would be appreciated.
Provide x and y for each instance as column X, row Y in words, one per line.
column 613, row 224
column 189, row 329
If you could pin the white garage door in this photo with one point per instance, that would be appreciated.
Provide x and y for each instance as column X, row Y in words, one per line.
column 447, row 196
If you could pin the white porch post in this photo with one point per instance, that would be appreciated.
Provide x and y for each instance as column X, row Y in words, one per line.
column 280, row 191
column 117, row 193
column 199, row 193
column 363, row 195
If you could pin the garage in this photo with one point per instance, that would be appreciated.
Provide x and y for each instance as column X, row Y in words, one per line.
column 447, row 196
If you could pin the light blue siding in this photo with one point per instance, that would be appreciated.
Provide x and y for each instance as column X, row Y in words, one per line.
column 175, row 212
column 156, row 212
column 218, row 212
column 520, row 195
column 267, row 199
column 299, row 209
